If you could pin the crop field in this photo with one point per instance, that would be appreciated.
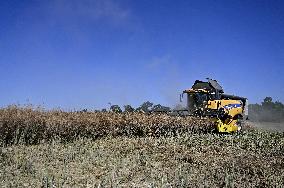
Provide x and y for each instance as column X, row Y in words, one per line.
column 41, row 148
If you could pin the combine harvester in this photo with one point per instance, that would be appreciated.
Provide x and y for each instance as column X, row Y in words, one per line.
column 207, row 99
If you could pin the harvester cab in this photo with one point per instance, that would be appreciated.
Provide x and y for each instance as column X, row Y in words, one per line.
column 208, row 99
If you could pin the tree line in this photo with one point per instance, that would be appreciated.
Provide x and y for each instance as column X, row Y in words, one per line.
column 144, row 107
column 267, row 111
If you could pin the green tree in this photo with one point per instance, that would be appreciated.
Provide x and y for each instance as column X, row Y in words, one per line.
column 145, row 107
column 160, row 108
column 128, row 108
column 267, row 100
column 267, row 111
column 115, row 108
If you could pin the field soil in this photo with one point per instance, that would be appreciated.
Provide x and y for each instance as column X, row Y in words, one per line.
column 270, row 126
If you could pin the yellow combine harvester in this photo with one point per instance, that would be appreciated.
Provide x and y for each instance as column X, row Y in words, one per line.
column 208, row 99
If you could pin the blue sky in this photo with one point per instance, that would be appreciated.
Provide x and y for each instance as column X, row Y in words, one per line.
column 78, row 54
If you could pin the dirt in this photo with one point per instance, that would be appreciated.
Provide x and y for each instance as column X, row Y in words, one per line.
column 271, row 126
